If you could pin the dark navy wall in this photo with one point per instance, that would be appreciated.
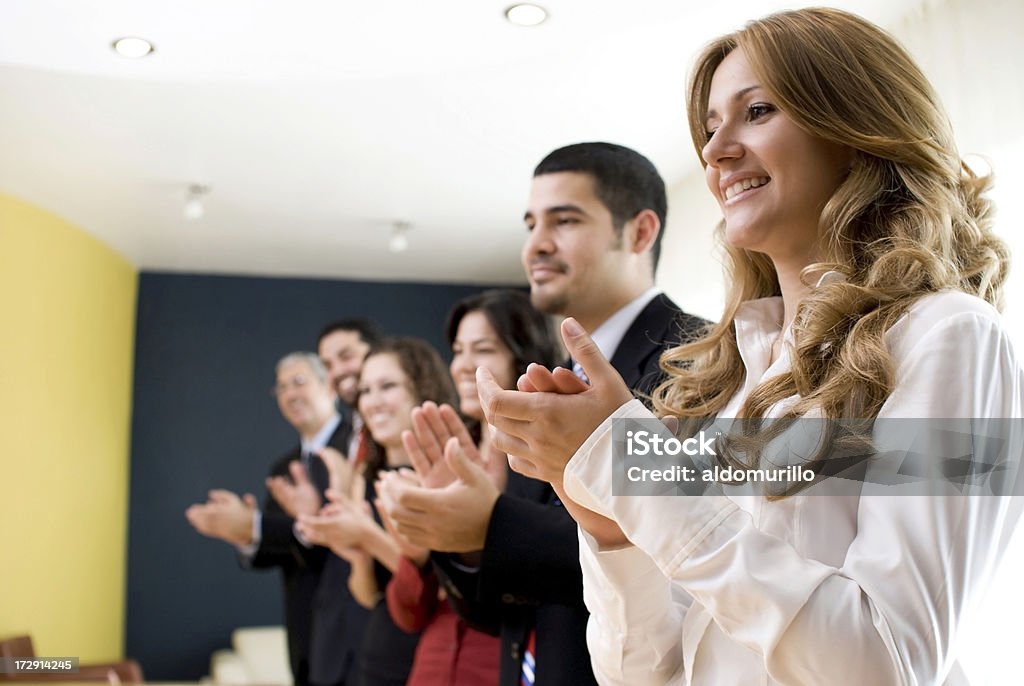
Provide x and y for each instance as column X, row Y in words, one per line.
column 203, row 418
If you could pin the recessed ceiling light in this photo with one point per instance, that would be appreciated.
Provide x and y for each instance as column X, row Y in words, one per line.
column 132, row 48
column 194, row 209
column 525, row 14
column 399, row 240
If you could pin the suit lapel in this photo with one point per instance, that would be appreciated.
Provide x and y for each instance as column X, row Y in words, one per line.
column 645, row 337
column 318, row 474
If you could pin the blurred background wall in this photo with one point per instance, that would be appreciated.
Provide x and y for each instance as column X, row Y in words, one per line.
column 204, row 418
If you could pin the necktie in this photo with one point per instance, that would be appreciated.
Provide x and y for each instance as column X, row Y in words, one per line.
column 356, row 441
column 529, row 673
column 316, row 470
column 577, row 369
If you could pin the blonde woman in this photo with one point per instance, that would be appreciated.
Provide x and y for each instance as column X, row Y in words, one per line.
column 864, row 282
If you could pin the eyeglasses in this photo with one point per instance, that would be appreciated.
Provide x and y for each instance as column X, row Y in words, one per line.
column 282, row 387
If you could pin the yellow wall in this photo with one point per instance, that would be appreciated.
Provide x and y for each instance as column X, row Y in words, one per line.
column 67, row 312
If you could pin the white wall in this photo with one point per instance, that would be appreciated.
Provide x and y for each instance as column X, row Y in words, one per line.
column 691, row 268
column 971, row 52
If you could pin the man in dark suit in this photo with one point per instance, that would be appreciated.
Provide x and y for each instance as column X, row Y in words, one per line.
column 595, row 218
column 265, row 536
column 339, row 621
column 342, row 346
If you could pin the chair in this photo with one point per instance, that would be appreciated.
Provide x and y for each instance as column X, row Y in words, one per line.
column 124, row 672
column 259, row 656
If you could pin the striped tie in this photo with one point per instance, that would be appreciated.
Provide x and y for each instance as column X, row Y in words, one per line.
column 577, row 369
column 529, row 673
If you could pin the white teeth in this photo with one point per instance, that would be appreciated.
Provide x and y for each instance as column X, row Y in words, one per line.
column 745, row 185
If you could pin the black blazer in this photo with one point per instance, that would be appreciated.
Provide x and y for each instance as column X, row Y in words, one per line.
column 323, row 622
column 530, row 574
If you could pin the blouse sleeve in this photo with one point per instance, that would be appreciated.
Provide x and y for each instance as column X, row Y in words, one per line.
column 633, row 632
column 412, row 596
column 888, row 615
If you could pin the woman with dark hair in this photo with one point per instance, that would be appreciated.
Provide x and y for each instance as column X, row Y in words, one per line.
column 864, row 285
column 496, row 323
column 500, row 331
column 397, row 375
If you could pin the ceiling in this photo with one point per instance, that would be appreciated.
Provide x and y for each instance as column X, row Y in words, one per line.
column 318, row 124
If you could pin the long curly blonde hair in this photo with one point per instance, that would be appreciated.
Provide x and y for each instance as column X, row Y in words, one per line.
column 909, row 219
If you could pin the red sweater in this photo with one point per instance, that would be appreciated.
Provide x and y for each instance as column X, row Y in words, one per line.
column 449, row 652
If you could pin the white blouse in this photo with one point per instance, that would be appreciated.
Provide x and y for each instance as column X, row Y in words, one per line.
column 858, row 589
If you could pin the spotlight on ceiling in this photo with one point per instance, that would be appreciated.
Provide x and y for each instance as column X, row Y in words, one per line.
column 525, row 14
column 194, row 209
column 399, row 240
column 132, row 47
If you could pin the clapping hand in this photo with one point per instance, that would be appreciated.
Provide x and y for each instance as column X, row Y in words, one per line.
column 418, row 554
column 225, row 516
column 433, row 426
column 297, row 495
column 340, row 525
column 450, row 519
column 340, row 469
column 543, row 423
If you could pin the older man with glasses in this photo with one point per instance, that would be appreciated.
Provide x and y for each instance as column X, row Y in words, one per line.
column 264, row 535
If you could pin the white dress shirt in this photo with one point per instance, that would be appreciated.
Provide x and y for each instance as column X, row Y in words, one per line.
column 609, row 334
column 319, row 441
column 858, row 589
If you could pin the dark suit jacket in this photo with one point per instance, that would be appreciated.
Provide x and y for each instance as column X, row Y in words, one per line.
column 324, row 623
column 530, row 569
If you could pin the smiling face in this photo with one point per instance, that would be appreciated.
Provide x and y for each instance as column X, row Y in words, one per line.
column 386, row 399
column 477, row 345
column 342, row 353
column 770, row 178
column 573, row 256
column 305, row 401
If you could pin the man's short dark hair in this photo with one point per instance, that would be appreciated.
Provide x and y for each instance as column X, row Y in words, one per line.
column 368, row 332
column 624, row 180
